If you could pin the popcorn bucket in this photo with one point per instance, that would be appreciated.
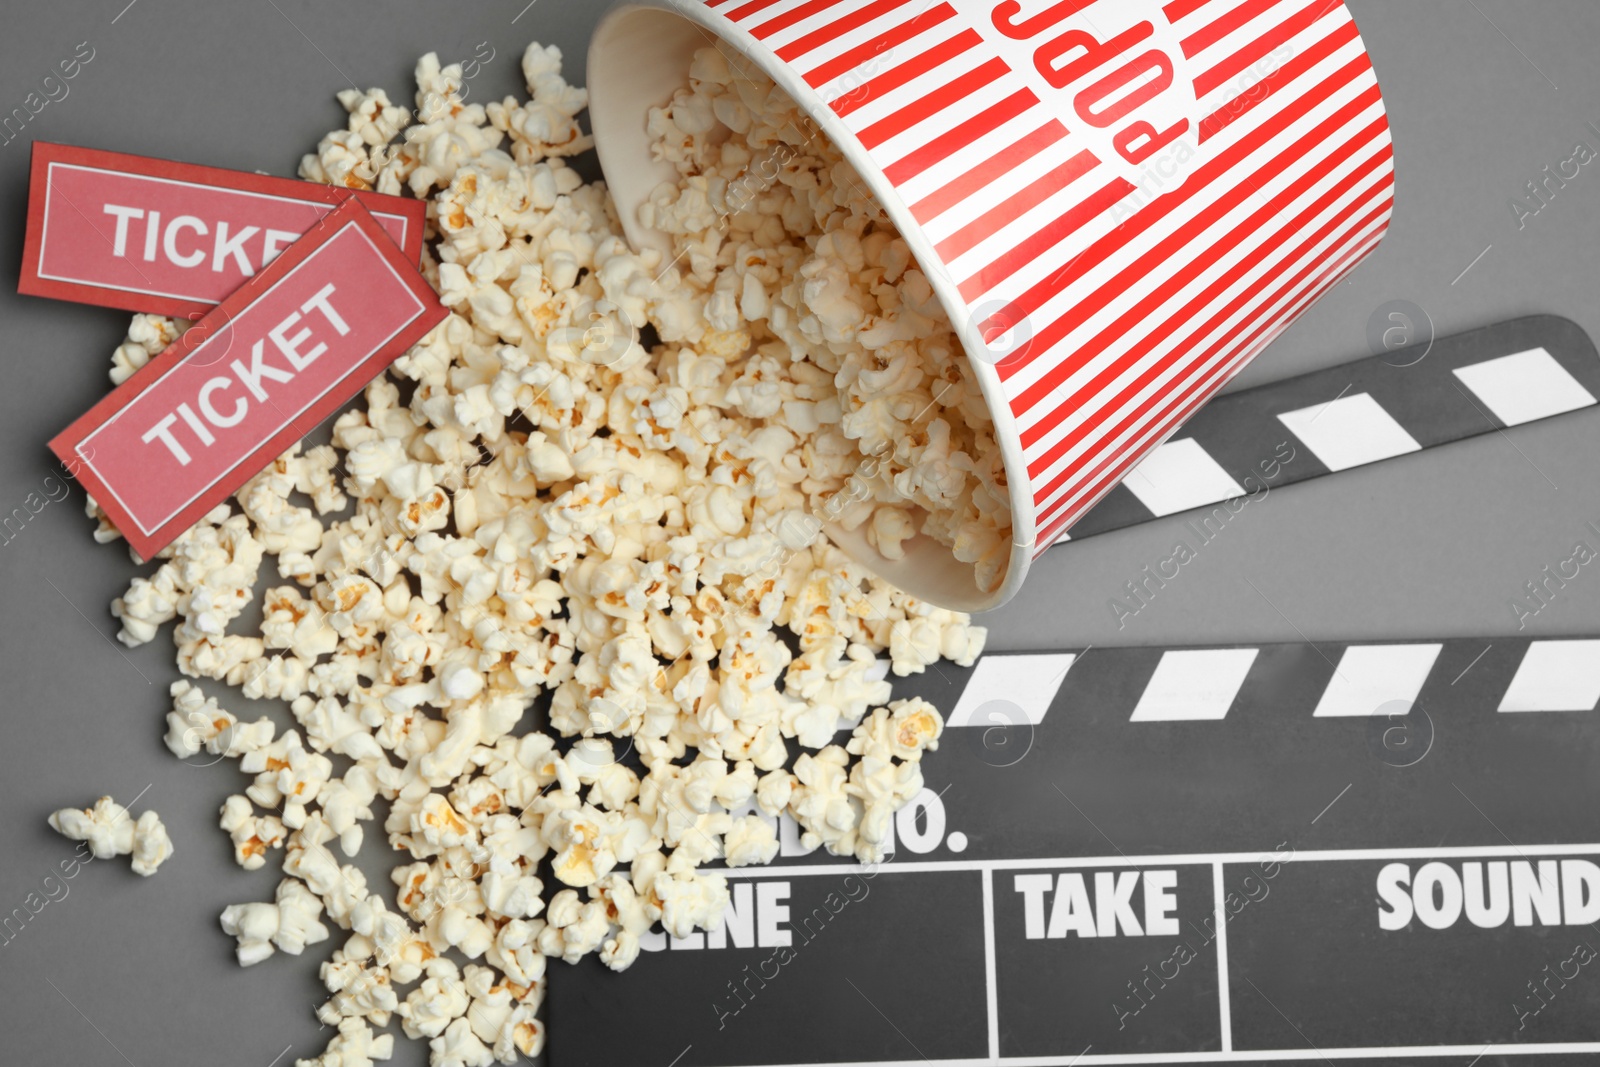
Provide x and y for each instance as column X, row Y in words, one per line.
column 1118, row 202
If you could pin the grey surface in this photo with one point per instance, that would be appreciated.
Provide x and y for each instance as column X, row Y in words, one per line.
column 128, row 970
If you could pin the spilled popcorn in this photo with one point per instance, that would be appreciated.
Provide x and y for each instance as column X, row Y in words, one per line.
column 592, row 486
column 111, row 830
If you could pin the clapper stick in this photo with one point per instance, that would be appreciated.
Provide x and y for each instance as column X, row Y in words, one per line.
column 1357, row 413
column 1378, row 852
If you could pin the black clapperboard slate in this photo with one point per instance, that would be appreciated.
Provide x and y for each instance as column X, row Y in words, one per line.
column 1270, row 854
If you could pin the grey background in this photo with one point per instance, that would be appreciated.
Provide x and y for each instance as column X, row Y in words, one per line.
column 1481, row 95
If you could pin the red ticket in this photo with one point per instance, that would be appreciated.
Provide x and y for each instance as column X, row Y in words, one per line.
column 171, row 238
column 256, row 374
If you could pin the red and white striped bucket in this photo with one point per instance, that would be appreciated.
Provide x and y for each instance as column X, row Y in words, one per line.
column 1119, row 202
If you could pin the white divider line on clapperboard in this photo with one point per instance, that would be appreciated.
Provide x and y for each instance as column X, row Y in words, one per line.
column 990, row 982
column 1568, row 1048
column 1177, row 859
column 1224, row 1007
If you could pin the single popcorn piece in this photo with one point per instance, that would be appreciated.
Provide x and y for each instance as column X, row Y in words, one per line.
column 198, row 724
column 252, row 834
column 151, row 845
column 599, row 487
column 110, row 830
column 353, row 1046
column 751, row 840
column 290, row 923
column 359, row 986
column 902, row 731
column 437, row 1002
column 147, row 336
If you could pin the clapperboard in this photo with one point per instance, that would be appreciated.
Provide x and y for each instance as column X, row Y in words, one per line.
column 1266, row 853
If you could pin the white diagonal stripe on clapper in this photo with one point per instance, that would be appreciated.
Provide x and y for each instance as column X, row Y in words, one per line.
column 1556, row 676
column 1029, row 682
column 1194, row 685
